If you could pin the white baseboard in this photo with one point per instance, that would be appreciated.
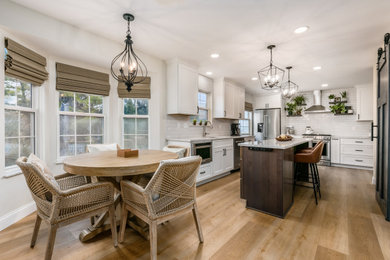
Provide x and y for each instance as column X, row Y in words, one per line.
column 16, row 215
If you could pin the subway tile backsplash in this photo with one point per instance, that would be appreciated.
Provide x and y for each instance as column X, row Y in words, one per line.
column 327, row 123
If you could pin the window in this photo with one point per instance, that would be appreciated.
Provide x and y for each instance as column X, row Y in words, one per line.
column 20, row 137
column 203, row 107
column 81, row 122
column 136, row 123
column 246, row 123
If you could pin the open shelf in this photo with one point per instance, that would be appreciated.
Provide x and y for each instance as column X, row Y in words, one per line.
column 294, row 115
column 332, row 103
column 346, row 114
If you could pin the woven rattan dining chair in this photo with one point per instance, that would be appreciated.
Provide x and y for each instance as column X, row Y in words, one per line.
column 72, row 200
column 170, row 192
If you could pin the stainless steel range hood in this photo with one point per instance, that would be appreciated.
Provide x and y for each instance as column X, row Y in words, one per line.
column 317, row 107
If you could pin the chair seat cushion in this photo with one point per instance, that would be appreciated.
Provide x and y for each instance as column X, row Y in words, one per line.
column 42, row 166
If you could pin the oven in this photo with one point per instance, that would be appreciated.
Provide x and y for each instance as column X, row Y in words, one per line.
column 325, row 157
column 203, row 149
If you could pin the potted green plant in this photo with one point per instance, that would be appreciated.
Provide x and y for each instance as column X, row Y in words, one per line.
column 200, row 122
column 300, row 100
column 332, row 97
column 290, row 107
column 343, row 96
column 194, row 122
column 338, row 108
column 298, row 111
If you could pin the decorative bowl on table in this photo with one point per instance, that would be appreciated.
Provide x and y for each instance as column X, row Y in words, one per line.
column 283, row 138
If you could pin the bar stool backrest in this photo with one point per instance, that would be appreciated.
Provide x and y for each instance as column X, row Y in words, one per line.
column 317, row 151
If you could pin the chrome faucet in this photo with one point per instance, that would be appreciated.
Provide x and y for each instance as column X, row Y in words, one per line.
column 204, row 127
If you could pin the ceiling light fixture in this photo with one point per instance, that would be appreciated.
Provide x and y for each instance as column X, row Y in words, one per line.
column 209, row 73
column 301, row 29
column 317, row 68
column 214, row 55
column 271, row 76
column 132, row 70
column 255, row 78
column 289, row 88
column 324, row 85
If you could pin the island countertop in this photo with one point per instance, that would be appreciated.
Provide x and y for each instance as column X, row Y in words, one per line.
column 274, row 144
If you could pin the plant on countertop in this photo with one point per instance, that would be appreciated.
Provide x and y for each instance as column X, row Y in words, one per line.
column 338, row 108
column 194, row 122
column 299, row 100
column 291, row 107
column 200, row 122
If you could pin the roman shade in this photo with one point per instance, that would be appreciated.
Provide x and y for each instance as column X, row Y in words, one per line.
column 248, row 106
column 141, row 90
column 24, row 64
column 75, row 79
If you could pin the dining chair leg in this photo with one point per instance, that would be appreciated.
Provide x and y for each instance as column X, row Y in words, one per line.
column 50, row 242
column 153, row 240
column 124, row 214
column 197, row 223
column 113, row 225
column 36, row 230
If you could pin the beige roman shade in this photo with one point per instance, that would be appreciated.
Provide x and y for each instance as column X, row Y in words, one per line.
column 248, row 106
column 24, row 64
column 75, row 79
column 141, row 90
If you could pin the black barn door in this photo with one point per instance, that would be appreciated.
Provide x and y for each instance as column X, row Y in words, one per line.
column 382, row 152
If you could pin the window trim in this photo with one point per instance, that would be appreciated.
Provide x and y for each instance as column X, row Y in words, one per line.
column 60, row 159
column 10, row 171
column 208, row 105
column 250, row 126
column 122, row 116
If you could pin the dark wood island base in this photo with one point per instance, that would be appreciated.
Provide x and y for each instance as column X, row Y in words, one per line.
column 267, row 178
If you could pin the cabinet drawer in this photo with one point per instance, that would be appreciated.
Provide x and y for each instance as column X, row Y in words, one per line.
column 356, row 141
column 223, row 142
column 353, row 149
column 205, row 172
column 357, row 160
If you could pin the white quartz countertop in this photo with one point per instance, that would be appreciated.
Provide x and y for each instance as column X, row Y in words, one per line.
column 208, row 138
column 274, row 144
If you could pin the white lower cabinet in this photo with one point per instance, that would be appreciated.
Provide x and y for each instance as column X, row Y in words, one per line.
column 223, row 160
column 205, row 172
column 335, row 151
column 356, row 152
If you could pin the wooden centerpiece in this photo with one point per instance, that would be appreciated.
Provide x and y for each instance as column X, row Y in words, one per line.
column 126, row 153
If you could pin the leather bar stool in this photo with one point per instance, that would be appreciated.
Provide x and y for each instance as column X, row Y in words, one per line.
column 311, row 158
column 309, row 150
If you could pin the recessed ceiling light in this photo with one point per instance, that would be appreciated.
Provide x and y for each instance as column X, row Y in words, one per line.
column 301, row 29
column 209, row 73
column 317, row 68
column 255, row 78
column 324, row 85
column 276, row 91
column 214, row 55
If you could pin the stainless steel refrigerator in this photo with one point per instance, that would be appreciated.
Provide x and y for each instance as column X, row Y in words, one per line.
column 266, row 123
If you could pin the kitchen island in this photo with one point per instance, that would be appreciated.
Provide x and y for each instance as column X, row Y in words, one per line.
column 267, row 174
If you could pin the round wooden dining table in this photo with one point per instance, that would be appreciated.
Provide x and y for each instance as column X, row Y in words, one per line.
column 107, row 166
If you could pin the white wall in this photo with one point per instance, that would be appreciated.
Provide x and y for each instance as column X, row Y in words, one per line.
column 61, row 42
column 327, row 123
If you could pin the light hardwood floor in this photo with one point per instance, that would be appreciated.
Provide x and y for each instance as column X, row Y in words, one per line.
column 346, row 224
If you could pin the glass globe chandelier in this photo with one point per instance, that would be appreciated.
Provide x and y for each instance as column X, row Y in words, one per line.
column 271, row 76
column 131, row 68
column 289, row 88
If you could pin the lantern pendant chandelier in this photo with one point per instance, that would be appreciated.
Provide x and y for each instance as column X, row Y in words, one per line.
column 132, row 70
column 271, row 76
column 289, row 88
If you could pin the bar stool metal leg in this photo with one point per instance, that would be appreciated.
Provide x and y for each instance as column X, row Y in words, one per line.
column 313, row 178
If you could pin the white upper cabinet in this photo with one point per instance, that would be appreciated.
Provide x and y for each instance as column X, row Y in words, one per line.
column 364, row 103
column 205, row 84
column 182, row 89
column 229, row 100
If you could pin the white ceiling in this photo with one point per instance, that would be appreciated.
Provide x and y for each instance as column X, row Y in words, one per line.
column 343, row 35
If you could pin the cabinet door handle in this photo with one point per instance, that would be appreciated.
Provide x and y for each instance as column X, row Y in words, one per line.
column 359, row 142
column 358, row 160
column 240, row 115
column 224, row 113
column 358, row 150
column 197, row 109
column 358, row 116
column 203, row 172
